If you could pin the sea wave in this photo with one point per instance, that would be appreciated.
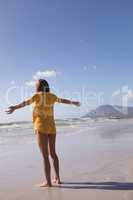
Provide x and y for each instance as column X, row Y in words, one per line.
column 59, row 122
column 10, row 133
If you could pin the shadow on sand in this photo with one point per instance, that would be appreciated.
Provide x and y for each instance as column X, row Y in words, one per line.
column 97, row 185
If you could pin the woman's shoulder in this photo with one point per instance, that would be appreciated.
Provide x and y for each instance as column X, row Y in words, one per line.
column 45, row 93
column 52, row 94
column 36, row 95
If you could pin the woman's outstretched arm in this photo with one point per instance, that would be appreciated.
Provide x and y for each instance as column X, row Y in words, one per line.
column 66, row 101
column 11, row 109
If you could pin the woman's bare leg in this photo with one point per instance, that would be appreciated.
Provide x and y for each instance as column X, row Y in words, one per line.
column 43, row 145
column 52, row 149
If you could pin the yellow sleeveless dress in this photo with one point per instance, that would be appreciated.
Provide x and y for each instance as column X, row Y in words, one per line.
column 43, row 112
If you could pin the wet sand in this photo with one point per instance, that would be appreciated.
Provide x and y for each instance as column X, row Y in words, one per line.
column 96, row 163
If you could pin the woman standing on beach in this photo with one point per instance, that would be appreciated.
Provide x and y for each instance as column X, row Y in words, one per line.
column 44, row 126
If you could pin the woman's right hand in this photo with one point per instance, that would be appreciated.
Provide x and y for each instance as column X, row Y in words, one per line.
column 10, row 110
column 76, row 103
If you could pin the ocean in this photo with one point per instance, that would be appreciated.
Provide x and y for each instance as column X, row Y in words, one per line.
column 20, row 132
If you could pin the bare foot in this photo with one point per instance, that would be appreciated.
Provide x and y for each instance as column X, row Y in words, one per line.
column 44, row 184
column 56, row 180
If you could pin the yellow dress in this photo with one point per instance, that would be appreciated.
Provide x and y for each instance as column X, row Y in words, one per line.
column 43, row 112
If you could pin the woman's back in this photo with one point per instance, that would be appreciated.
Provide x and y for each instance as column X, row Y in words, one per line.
column 44, row 103
column 43, row 112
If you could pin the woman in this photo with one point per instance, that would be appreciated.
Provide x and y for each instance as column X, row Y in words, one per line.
column 44, row 126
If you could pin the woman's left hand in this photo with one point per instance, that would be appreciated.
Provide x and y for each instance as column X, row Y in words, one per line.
column 76, row 103
column 10, row 110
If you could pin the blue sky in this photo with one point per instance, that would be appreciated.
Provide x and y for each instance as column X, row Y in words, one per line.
column 88, row 43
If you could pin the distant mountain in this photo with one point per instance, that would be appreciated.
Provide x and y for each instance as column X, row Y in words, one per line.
column 109, row 111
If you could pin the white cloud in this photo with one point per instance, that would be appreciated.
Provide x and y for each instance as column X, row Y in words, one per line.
column 42, row 75
column 93, row 67
column 30, row 83
column 130, row 94
column 116, row 93
column 45, row 74
column 12, row 82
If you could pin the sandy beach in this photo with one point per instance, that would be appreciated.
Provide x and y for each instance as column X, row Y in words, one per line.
column 96, row 163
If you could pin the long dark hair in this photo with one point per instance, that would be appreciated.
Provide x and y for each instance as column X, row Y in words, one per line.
column 43, row 86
